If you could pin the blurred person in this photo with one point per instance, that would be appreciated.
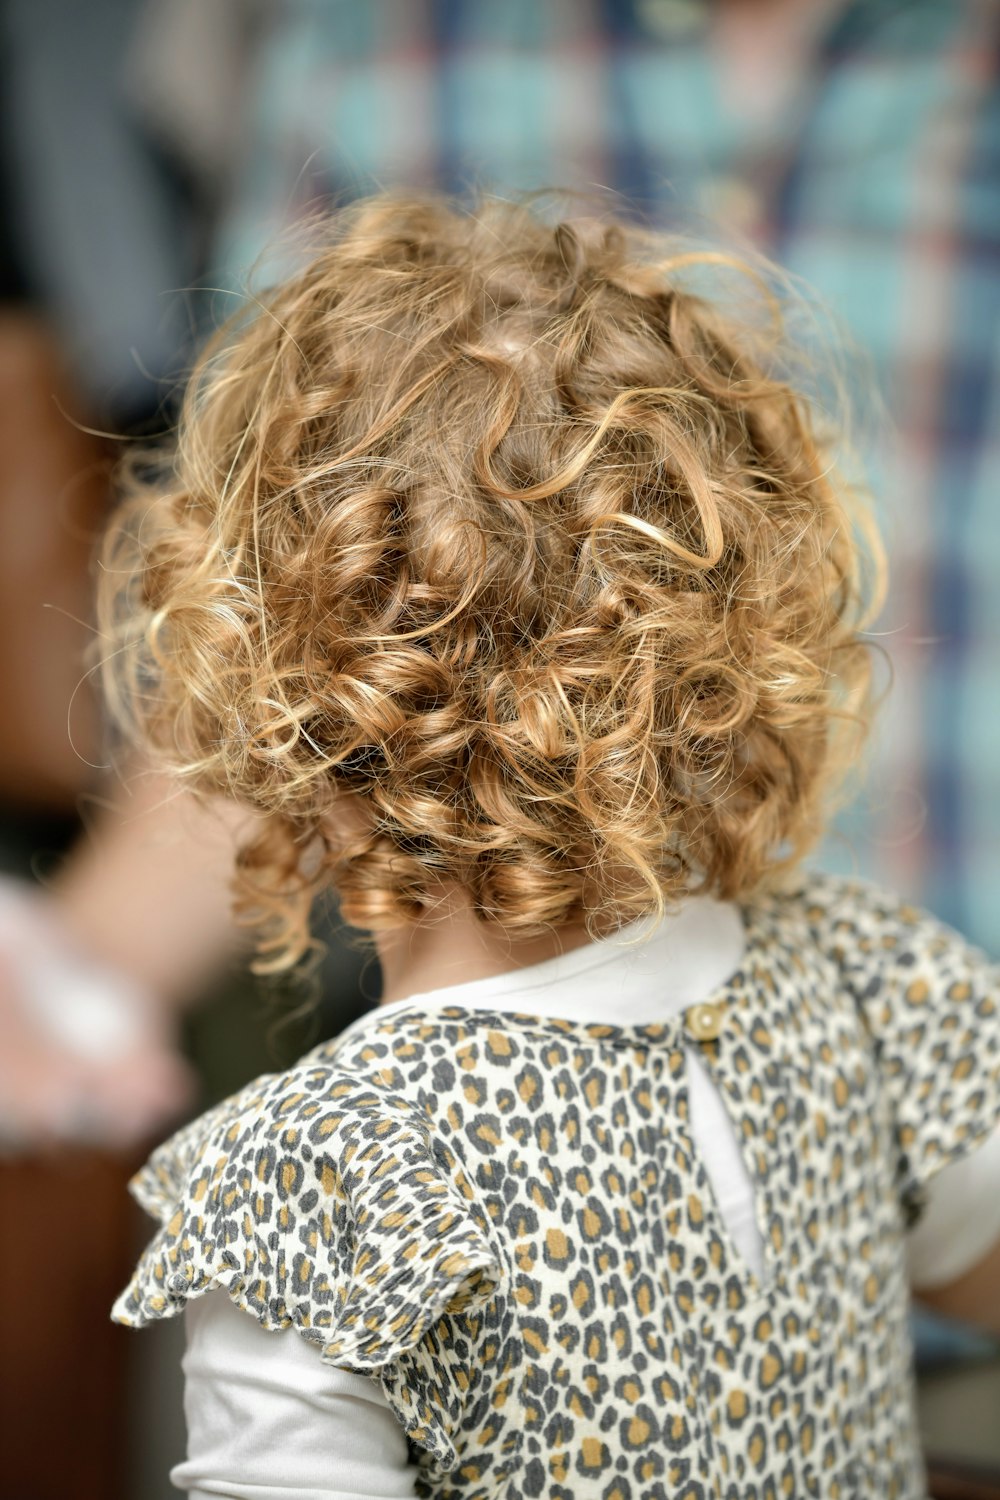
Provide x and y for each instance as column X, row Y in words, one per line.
column 503, row 572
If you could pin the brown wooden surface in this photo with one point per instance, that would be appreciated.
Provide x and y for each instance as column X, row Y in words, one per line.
column 65, row 1251
column 957, row 1482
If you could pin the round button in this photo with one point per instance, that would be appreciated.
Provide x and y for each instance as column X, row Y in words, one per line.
column 704, row 1022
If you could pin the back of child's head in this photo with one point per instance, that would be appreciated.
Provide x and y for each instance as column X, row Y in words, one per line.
column 504, row 530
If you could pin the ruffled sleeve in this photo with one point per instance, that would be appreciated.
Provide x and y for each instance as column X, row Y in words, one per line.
column 931, row 1003
column 324, row 1203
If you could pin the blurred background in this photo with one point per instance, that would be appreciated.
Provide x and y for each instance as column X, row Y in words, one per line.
column 151, row 152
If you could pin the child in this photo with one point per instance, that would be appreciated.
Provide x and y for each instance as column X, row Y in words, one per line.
column 504, row 577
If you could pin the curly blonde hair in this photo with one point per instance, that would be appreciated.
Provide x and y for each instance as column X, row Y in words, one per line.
column 504, row 531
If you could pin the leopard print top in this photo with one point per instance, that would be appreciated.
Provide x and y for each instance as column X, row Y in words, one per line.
column 504, row 1220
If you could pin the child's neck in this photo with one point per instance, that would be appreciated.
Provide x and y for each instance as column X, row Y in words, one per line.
column 452, row 946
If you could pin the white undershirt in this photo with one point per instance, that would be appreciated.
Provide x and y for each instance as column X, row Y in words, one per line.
column 268, row 1420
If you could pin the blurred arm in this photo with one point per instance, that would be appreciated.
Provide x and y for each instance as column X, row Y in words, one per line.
column 146, row 890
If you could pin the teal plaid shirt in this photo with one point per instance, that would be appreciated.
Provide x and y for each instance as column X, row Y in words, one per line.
column 879, row 184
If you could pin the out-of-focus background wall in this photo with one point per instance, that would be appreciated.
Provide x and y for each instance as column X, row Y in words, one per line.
column 151, row 150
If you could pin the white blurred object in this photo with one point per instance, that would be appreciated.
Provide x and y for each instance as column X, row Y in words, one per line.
column 83, row 1051
column 83, row 1007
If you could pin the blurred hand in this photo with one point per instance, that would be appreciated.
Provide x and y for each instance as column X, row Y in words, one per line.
column 84, row 1056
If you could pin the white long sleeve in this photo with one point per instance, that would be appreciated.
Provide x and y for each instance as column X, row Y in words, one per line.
column 268, row 1420
column 961, row 1221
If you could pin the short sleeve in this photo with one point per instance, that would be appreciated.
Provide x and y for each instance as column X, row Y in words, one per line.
column 931, row 1003
column 321, row 1203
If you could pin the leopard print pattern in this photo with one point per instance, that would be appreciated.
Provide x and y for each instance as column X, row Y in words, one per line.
column 504, row 1219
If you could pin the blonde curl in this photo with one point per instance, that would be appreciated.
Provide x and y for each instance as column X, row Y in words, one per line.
column 507, row 538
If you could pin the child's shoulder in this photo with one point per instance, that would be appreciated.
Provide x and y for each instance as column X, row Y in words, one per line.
column 900, row 963
column 320, row 1200
column 817, row 893
column 303, row 1111
column 853, row 918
